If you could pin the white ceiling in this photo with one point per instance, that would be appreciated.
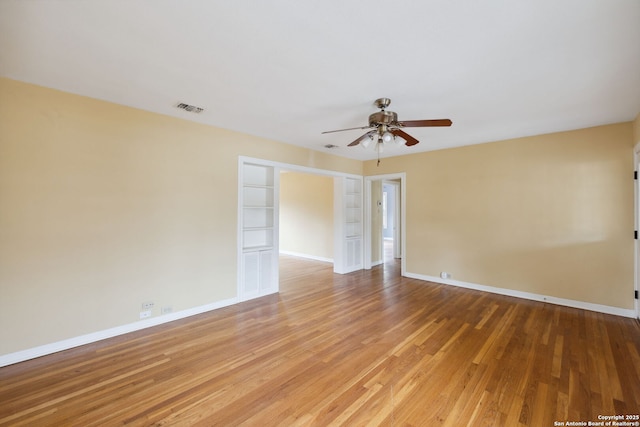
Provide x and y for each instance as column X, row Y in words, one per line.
column 287, row 70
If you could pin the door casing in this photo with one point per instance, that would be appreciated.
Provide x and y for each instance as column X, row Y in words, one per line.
column 278, row 166
column 402, row 177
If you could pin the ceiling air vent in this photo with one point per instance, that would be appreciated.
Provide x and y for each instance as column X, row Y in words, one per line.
column 331, row 146
column 190, row 108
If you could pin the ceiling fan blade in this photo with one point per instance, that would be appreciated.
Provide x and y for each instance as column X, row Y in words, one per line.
column 402, row 134
column 425, row 123
column 357, row 141
column 340, row 130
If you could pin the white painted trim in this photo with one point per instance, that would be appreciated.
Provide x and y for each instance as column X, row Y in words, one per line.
column 274, row 287
column 397, row 225
column 402, row 176
column 403, row 225
column 529, row 296
column 296, row 168
column 368, row 211
column 280, row 167
column 366, row 225
column 636, row 214
column 43, row 350
column 239, row 216
column 307, row 256
column 341, row 239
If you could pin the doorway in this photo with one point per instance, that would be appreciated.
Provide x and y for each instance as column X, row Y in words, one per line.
column 306, row 215
column 385, row 219
column 259, row 223
column 391, row 220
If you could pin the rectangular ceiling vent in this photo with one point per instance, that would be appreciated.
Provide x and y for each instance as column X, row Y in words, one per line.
column 190, row 108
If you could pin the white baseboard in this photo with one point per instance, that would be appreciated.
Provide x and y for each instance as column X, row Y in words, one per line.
column 313, row 257
column 374, row 263
column 530, row 296
column 32, row 353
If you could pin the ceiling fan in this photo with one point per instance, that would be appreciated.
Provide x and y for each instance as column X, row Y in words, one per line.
column 385, row 126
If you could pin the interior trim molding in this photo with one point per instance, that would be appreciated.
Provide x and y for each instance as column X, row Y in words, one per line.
column 636, row 222
column 306, row 256
column 43, row 350
column 617, row 311
column 402, row 177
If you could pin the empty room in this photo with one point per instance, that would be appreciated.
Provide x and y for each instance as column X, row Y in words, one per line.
column 277, row 213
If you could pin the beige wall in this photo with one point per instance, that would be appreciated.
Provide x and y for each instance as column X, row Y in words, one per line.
column 306, row 214
column 103, row 207
column 550, row 214
column 636, row 130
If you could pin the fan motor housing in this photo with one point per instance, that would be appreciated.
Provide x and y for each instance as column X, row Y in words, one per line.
column 383, row 118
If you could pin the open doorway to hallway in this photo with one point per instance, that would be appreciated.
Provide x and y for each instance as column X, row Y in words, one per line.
column 391, row 220
column 384, row 220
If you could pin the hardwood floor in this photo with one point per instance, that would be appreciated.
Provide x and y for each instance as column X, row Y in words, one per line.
column 367, row 348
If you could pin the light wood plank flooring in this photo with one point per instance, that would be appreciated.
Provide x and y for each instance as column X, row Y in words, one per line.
column 368, row 348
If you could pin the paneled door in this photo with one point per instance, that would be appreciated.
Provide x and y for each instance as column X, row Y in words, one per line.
column 258, row 230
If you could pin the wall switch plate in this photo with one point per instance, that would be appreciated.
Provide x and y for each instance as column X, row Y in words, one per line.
column 145, row 314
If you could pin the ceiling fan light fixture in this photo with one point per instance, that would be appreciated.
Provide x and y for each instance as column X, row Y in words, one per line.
column 385, row 127
column 387, row 136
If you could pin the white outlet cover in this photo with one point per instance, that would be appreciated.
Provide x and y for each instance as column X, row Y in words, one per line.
column 145, row 314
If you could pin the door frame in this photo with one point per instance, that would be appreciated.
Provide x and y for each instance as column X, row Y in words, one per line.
column 402, row 177
column 278, row 166
column 636, row 245
column 397, row 226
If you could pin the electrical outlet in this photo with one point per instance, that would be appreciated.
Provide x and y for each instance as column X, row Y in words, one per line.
column 145, row 314
column 148, row 305
column 166, row 310
column 445, row 275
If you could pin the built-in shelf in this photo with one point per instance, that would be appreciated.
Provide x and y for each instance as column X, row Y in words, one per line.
column 257, row 207
column 256, row 248
column 349, row 215
column 258, row 219
column 258, row 197
column 353, row 214
column 257, row 175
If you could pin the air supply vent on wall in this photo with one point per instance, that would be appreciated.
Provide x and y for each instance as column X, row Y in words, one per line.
column 190, row 108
